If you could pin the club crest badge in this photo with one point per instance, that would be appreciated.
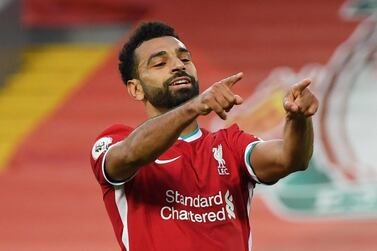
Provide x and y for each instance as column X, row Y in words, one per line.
column 218, row 155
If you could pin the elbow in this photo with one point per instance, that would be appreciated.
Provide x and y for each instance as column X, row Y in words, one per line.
column 306, row 161
column 299, row 162
column 295, row 166
column 301, row 166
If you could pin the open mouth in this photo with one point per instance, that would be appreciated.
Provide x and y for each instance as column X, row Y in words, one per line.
column 180, row 81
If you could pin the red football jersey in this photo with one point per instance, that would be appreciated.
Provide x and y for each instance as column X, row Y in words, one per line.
column 195, row 196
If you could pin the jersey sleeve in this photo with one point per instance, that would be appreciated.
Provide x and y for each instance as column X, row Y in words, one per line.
column 104, row 142
column 243, row 145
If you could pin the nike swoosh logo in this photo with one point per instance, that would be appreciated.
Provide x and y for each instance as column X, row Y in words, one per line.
column 157, row 161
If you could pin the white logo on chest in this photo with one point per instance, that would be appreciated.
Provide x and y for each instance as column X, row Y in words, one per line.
column 218, row 155
column 158, row 161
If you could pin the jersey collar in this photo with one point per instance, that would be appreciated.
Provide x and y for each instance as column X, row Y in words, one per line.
column 196, row 134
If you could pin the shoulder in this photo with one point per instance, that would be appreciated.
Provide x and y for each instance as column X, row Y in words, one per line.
column 114, row 133
column 115, row 130
column 108, row 137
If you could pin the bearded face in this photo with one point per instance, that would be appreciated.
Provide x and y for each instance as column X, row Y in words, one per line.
column 174, row 91
column 166, row 72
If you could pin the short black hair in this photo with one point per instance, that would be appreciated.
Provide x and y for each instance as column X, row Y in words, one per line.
column 145, row 32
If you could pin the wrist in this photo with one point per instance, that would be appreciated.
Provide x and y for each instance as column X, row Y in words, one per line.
column 191, row 108
column 298, row 120
column 299, row 117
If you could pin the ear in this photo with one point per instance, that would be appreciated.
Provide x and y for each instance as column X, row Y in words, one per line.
column 135, row 89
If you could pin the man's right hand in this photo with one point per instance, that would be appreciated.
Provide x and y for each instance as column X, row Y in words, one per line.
column 219, row 97
column 151, row 139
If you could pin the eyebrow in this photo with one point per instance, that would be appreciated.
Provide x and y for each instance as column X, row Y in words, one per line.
column 162, row 53
column 182, row 49
column 154, row 55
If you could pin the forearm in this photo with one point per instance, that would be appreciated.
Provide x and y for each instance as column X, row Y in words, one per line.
column 275, row 159
column 297, row 143
column 156, row 135
column 148, row 141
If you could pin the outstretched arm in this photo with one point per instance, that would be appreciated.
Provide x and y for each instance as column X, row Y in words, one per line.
column 156, row 135
column 275, row 159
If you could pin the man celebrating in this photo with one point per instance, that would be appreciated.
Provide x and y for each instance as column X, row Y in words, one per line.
column 169, row 184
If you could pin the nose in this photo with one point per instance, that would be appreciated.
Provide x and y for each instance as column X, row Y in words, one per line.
column 178, row 65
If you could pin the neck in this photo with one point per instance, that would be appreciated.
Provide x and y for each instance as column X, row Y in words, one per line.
column 190, row 128
column 153, row 112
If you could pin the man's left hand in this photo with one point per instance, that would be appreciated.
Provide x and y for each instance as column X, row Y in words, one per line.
column 300, row 101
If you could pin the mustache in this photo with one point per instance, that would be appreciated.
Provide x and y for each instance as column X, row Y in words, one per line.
column 177, row 75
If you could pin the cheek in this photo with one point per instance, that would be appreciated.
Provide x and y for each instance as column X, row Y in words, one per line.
column 191, row 69
column 152, row 78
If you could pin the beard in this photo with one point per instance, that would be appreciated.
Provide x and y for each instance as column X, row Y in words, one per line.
column 163, row 97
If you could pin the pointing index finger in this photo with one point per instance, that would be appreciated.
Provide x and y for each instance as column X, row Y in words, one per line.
column 300, row 86
column 230, row 81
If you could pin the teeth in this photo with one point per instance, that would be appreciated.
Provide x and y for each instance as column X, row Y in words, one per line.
column 182, row 81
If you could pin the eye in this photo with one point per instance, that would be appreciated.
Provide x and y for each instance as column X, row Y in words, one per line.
column 185, row 60
column 159, row 64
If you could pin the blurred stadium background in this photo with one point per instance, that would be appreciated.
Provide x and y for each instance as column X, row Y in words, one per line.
column 59, row 87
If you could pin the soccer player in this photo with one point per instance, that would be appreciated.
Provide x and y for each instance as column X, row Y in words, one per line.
column 169, row 184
